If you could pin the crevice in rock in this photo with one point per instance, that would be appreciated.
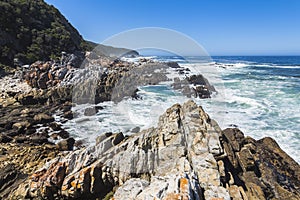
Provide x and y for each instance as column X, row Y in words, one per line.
column 234, row 172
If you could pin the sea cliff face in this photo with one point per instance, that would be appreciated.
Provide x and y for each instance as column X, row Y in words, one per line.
column 187, row 156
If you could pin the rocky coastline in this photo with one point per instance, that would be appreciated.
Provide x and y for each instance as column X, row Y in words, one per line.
column 186, row 156
column 34, row 95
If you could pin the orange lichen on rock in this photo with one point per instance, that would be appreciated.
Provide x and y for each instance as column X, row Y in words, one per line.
column 184, row 188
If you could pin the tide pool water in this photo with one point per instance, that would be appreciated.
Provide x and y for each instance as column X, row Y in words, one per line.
column 259, row 95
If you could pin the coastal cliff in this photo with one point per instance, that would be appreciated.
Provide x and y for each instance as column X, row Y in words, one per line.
column 187, row 156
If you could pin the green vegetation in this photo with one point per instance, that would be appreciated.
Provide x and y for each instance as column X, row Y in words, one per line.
column 32, row 30
column 108, row 196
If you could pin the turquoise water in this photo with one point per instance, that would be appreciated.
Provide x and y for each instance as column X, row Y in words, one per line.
column 260, row 95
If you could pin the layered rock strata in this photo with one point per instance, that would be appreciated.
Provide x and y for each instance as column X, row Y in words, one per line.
column 187, row 156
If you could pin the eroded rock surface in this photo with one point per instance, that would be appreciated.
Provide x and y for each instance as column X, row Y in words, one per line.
column 187, row 156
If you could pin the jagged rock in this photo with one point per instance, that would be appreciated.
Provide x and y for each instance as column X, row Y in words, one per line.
column 19, row 162
column 179, row 153
column 186, row 156
column 259, row 167
column 131, row 189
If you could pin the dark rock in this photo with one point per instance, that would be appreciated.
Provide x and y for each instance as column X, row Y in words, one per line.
column 173, row 65
column 263, row 169
column 118, row 138
column 202, row 92
column 79, row 143
column 21, row 139
column 68, row 115
column 43, row 118
column 11, row 133
column 108, row 134
column 136, row 129
column 63, row 134
column 197, row 80
column 21, row 126
column 38, row 139
column 135, row 95
column 5, row 138
column 42, row 80
column 55, row 126
column 66, row 144
column 30, row 131
column 3, row 151
column 234, row 137
column 27, row 100
column 9, row 178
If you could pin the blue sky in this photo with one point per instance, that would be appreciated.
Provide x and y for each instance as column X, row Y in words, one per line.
column 222, row 27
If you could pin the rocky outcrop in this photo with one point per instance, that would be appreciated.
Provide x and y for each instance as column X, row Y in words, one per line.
column 102, row 78
column 186, row 157
column 17, row 161
column 260, row 167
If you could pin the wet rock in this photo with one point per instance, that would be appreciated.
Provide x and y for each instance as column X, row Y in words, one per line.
column 136, row 129
column 68, row 115
column 90, row 111
column 55, row 126
column 173, row 65
column 63, row 134
column 43, row 118
column 118, row 138
column 197, row 80
column 5, row 139
column 66, row 144
column 202, row 92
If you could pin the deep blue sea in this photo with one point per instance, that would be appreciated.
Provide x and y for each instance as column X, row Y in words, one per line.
column 258, row 94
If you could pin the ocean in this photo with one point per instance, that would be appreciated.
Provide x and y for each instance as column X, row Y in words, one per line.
column 260, row 95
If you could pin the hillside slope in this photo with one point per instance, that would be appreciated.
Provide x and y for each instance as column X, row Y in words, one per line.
column 32, row 30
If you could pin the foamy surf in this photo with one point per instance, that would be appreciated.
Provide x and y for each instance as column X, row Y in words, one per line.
column 248, row 97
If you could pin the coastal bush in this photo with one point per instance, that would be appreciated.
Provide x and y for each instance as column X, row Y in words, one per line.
column 32, row 30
